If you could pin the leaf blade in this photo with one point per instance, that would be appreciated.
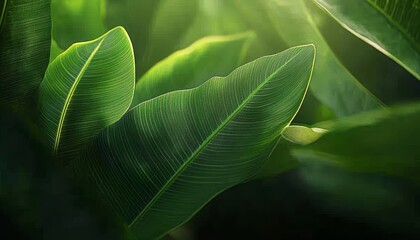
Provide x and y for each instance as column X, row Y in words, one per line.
column 174, row 160
column 85, row 89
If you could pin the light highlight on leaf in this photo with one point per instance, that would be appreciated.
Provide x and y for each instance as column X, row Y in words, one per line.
column 85, row 89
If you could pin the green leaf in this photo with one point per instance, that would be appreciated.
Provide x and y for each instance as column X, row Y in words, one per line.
column 332, row 83
column 77, row 21
column 392, row 27
column 382, row 142
column 25, row 35
column 85, row 89
column 190, row 67
column 169, row 156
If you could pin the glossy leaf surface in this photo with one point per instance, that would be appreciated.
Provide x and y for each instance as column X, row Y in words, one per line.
column 85, row 89
column 169, row 156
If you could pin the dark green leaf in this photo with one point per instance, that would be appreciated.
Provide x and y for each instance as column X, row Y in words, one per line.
column 25, row 35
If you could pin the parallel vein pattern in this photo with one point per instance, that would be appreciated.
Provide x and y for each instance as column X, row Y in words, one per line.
column 170, row 155
column 390, row 26
column 405, row 14
column 85, row 89
column 25, row 36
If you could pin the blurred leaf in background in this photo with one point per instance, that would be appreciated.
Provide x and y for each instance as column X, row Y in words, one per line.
column 155, row 27
column 190, row 67
column 77, row 21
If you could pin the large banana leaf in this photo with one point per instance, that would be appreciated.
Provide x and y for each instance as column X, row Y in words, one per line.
column 169, row 156
column 391, row 26
column 85, row 89
column 190, row 67
column 332, row 83
column 77, row 21
column 25, row 35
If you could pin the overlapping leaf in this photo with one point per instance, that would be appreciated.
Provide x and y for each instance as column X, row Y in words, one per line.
column 25, row 35
column 333, row 84
column 190, row 67
column 85, row 89
column 392, row 26
column 170, row 155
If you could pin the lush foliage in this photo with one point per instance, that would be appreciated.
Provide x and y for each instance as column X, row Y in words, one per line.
column 174, row 102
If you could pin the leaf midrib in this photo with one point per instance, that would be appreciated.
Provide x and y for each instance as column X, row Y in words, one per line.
column 70, row 96
column 207, row 141
column 3, row 12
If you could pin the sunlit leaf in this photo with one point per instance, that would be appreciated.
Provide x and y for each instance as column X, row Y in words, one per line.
column 190, row 67
column 302, row 135
column 169, row 156
column 391, row 26
column 85, row 89
column 25, row 35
